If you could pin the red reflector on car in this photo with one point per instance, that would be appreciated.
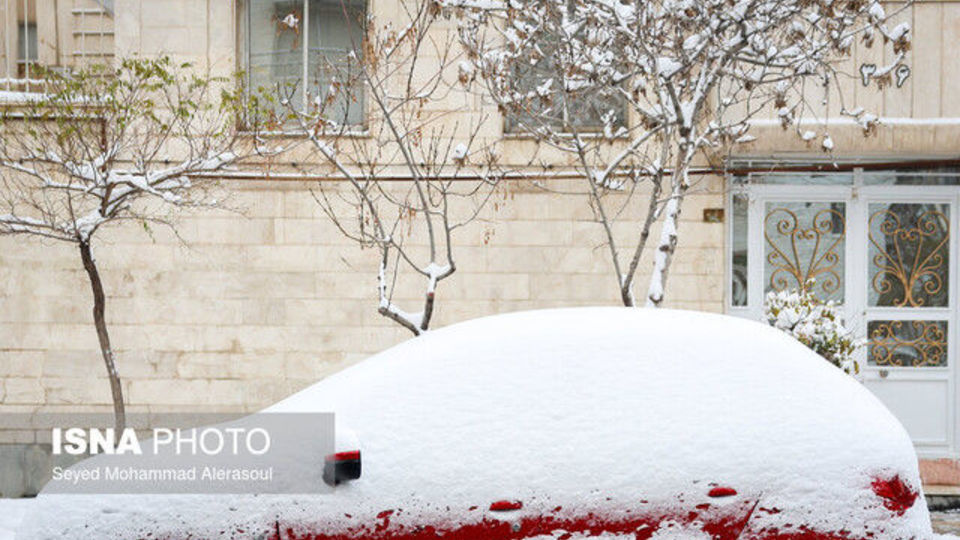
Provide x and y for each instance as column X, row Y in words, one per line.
column 722, row 491
column 503, row 506
column 341, row 467
column 352, row 455
column 897, row 496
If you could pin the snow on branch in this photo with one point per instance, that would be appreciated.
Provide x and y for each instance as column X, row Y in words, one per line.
column 622, row 86
column 449, row 172
column 107, row 145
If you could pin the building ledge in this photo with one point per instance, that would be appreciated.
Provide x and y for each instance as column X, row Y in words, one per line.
column 940, row 473
column 940, row 490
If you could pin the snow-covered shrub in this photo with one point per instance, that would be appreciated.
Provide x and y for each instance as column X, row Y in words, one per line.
column 815, row 323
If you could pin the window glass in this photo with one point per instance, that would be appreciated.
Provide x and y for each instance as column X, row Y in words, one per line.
column 331, row 29
column 808, row 179
column 945, row 176
column 276, row 47
column 805, row 241
column 336, row 29
column 907, row 343
column 739, row 253
column 550, row 106
column 27, row 42
column 26, row 49
column 909, row 255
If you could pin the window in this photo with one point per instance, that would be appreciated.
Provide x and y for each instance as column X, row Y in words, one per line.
column 804, row 245
column 310, row 45
column 560, row 111
column 26, row 47
column 580, row 112
column 568, row 111
column 876, row 242
column 738, row 248
column 908, row 254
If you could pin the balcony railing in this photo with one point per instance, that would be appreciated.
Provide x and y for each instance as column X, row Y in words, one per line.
column 61, row 35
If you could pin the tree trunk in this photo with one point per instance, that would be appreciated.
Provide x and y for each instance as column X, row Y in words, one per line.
column 99, row 307
column 668, row 244
column 626, row 284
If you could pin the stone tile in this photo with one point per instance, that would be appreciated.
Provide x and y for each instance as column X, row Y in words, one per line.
column 946, row 522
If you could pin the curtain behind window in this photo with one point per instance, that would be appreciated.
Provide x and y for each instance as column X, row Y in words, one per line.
column 277, row 32
column 275, row 48
column 336, row 29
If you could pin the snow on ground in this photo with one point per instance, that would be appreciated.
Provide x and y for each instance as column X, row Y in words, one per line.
column 946, row 521
column 11, row 513
column 611, row 412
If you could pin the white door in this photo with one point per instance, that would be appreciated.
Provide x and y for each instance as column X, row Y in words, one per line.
column 909, row 307
column 887, row 255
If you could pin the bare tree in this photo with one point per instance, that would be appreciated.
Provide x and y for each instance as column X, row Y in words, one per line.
column 415, row 172
column 665, row 83
column 102, row 146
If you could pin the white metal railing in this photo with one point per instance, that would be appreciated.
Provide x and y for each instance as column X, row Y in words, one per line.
column 82, row 15
column 89, row 26
column 17, row 53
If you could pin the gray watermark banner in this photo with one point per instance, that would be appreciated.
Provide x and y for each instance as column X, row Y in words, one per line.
column 268, row 453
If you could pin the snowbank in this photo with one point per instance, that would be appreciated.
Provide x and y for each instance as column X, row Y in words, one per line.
column 11, row 514
column 636, row 420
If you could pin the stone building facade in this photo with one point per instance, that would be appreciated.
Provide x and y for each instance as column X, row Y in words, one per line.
column 250, row 307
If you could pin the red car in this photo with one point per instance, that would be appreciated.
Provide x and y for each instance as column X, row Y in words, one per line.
column 572, row 423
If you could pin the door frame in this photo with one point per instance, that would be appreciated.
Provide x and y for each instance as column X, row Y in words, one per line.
column 857, row 198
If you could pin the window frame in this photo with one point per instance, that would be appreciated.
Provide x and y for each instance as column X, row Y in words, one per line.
column 243, row 47
column 596, row 131
column 937, row 434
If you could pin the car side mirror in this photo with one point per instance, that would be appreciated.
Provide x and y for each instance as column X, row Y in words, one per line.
column 341, row 467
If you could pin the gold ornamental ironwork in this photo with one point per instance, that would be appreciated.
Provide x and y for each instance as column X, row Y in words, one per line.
column 908, row 343
column 800, row 253
column 910, row 260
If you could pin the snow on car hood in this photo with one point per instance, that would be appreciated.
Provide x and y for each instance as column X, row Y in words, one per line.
column 573, row 412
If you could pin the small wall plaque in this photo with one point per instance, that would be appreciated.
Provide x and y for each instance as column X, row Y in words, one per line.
column 713, row 215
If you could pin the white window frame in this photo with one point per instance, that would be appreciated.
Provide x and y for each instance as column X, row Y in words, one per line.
column 12, row 46
column 243, row 37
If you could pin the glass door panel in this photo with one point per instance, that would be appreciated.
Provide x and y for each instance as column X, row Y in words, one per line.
column 907, row 343
column 909, row 255
column 805, row 244
column 909, row 311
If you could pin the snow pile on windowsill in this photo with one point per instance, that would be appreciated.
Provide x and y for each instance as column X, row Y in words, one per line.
column 589, row 410
column 9, row 96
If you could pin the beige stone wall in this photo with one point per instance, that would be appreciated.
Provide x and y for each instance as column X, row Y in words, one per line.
column 256, row 306
column 259, row 305
column 249, row 308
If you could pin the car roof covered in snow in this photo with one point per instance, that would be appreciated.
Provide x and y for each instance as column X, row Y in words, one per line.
column 598, row 410
column 587, row 404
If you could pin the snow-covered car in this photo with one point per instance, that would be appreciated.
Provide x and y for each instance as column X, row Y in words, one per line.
column 573, row 423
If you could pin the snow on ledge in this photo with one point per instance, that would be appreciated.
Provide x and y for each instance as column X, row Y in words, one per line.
column 845, row 121
column 8, row 96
